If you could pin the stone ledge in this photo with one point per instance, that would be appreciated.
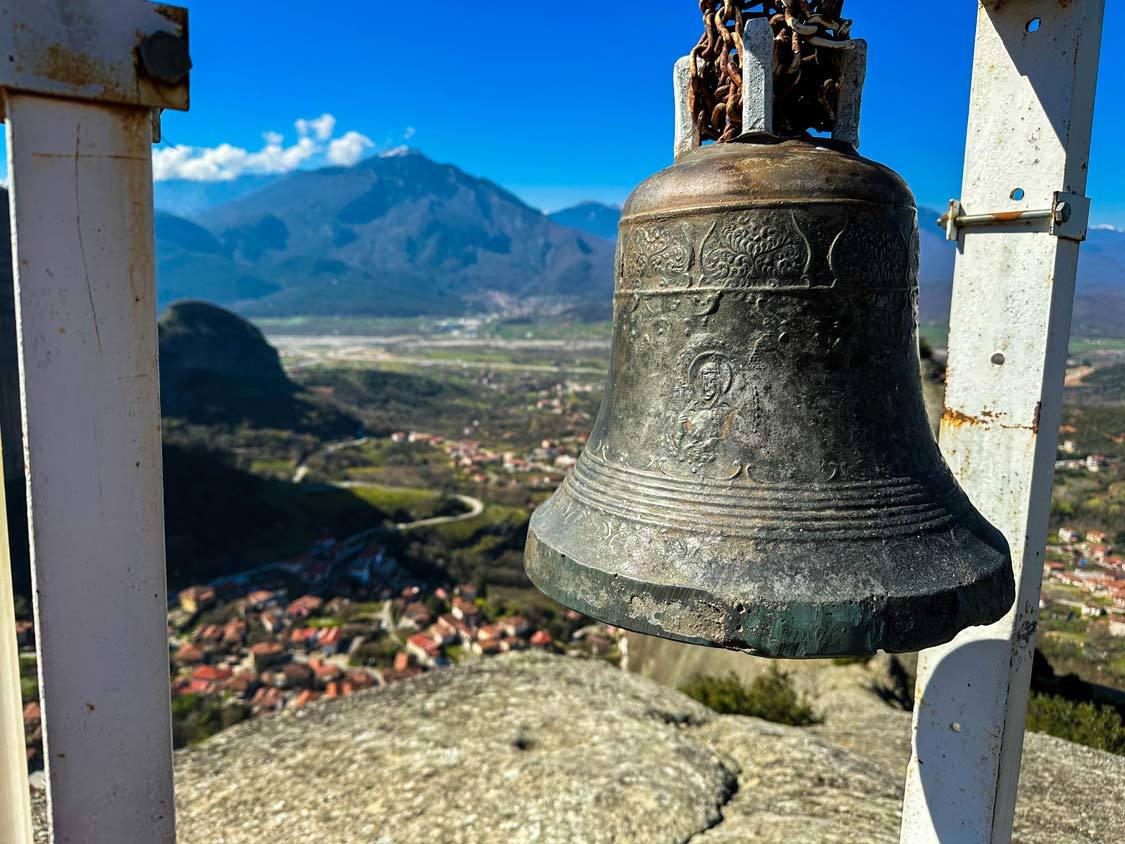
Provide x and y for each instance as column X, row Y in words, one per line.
column 530, row 747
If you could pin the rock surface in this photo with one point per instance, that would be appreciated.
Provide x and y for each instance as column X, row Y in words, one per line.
column 530, row 747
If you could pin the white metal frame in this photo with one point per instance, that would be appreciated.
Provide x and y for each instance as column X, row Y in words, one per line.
column 1031, row 112
column 78, row 108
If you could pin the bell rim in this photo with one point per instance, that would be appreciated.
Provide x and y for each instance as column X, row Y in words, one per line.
column 795, row 629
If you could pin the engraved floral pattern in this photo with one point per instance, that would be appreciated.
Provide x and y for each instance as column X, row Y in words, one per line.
column 659, row 252
column 872, row 251
column 754, row 248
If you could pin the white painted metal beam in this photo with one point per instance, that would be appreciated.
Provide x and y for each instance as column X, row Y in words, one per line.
column 81, row 209
column 1034, row 74
column 15, row 808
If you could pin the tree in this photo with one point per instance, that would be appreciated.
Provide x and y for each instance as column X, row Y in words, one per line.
column 769, row 696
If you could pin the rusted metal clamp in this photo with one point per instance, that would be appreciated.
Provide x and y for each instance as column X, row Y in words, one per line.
column 1068, row 217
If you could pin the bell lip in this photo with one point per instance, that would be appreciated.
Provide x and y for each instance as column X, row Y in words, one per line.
column 841, row 629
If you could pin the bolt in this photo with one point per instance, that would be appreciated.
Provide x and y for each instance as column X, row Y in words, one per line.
column 165, row 58
column 1062, row 212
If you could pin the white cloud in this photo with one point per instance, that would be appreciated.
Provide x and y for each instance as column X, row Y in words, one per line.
column 1106, row 227
column 409, row 133
column 225, row 162
column 348, row 149
column 320, row 127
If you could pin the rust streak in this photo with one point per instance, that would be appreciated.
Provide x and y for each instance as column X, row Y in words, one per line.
column 958, row 419
column 59, row 63
column 95, row 156
column 1006, row 216
column 987, row 419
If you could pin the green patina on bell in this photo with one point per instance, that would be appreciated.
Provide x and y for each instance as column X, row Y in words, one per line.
column 762, row 475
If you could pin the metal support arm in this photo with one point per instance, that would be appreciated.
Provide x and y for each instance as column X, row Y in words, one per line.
column 1030, row 119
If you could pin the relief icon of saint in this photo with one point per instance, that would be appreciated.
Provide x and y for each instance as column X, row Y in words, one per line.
column 708, row 418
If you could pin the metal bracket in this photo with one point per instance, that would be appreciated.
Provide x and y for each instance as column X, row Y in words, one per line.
column 1068, row 217
column 129, row 52
column 757, row 89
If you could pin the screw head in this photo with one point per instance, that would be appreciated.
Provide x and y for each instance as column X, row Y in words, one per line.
column 1062, row 212
column 165, row 58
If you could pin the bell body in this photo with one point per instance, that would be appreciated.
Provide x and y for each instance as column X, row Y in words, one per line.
column 762, row 475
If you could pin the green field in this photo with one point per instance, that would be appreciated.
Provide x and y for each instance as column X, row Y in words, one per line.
column 408, row 505
column 937, row 335
column 344, row 326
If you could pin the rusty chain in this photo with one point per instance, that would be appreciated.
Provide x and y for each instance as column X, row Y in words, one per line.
column 807, row 37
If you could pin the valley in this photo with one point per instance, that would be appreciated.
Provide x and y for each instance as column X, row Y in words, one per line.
column 365, row 447
column 375, row 477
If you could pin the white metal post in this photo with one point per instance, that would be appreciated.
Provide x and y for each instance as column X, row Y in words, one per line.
column 79, row 85
column 81, row 208
column 15, row 811
column 1034, row 75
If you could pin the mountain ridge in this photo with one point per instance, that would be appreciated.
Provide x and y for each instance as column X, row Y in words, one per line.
column 402, row 235
column 596, row 218
column 395, row 235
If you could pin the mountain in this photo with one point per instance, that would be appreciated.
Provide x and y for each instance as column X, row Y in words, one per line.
column 191, row 263
column 401, row 235
column 396, row 234
column 218, row 372
column 217, row 369
column 187, row 198
column 595, row 218
column 935, row 270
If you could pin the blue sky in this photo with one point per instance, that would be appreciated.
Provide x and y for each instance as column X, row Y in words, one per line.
column 557, row 102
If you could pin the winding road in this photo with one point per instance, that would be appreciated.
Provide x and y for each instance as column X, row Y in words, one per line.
column 475, row 505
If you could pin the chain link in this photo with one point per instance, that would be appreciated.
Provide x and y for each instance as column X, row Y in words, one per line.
column 807, row 37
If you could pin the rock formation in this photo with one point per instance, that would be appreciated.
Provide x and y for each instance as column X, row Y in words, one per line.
column 530, row 747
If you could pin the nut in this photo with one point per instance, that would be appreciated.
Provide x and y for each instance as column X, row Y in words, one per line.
column 165, row 58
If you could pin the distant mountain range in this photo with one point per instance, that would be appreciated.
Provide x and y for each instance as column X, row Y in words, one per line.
column 596, row 218
column 184, row 197
column 401, row 235
column 396, row 235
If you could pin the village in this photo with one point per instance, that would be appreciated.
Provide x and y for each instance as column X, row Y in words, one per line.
column 541, row 467
column 1087, row 562
column 342, row 617
column 359, row 621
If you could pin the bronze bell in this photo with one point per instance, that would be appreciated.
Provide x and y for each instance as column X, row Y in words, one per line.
column 762, row 475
